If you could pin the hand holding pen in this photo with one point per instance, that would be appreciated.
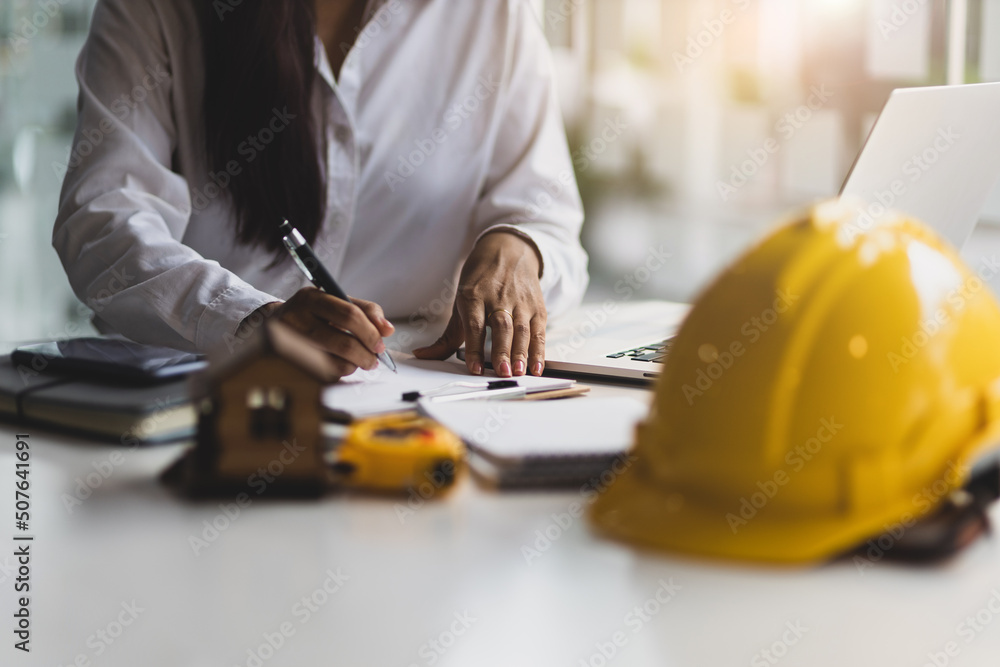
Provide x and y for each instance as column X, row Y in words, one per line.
column 349, row 329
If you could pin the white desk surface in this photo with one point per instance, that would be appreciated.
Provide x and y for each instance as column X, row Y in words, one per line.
column 408, row 581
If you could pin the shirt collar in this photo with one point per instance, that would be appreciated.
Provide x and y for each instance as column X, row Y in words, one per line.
column 321, row 61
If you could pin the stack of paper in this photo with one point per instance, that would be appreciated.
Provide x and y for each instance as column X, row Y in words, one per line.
column 542, row 443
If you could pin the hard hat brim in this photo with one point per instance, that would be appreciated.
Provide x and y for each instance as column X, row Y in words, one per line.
column 649, row 514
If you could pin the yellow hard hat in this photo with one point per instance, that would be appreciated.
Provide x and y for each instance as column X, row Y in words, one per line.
column 834, row 382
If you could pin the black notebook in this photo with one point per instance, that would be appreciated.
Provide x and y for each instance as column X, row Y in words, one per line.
column 117, row 412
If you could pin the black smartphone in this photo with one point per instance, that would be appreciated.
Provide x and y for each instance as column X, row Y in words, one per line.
column 111, row 359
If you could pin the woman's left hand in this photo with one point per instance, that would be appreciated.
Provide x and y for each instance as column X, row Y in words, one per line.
column 499, row 288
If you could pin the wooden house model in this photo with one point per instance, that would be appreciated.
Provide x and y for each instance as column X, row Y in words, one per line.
column 261, row 415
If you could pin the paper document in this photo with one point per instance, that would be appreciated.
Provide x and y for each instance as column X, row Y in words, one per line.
column 369, row 393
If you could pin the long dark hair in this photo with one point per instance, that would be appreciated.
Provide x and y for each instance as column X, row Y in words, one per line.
column 259, row 63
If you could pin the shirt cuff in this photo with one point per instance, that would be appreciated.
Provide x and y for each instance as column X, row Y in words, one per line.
column 221, row 318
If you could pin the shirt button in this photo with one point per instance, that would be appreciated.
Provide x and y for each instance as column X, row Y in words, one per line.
column 342, row 133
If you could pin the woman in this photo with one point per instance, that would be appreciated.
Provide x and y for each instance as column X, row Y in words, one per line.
column 403, row 138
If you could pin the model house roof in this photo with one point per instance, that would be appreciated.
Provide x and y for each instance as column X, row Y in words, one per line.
column 272, row 338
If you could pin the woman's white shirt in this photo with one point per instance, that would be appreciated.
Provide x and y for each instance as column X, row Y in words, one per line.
column 443, row 125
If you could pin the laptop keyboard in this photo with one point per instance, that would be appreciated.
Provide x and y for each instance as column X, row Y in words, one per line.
column 656, row 352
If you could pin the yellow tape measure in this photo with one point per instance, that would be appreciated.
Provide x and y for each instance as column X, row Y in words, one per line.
column 396, row 453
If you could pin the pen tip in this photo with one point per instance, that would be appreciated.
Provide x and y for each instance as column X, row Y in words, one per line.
column 285, row 227
column 388, row 362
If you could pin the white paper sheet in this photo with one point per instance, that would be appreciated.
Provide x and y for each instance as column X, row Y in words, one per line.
column 367, row 393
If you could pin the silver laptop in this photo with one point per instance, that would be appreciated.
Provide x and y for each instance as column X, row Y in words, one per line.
column 933, row 153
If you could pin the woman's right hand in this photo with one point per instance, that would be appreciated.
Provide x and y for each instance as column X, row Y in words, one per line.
column 325, row 320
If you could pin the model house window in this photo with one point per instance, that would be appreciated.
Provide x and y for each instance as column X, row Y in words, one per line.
column 268, row 409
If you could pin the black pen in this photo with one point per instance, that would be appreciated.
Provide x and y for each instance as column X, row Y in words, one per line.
column 306, row 260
